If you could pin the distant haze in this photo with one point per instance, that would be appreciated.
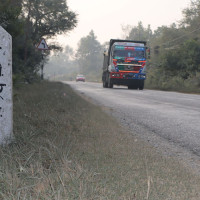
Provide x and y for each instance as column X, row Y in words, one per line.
column 106, row 17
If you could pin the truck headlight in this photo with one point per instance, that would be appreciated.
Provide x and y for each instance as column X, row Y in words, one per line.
column 115, row 75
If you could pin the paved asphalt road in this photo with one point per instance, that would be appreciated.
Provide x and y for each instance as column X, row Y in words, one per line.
column 170, row 121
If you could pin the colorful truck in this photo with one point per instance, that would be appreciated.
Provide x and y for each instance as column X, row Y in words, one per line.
column 125, row 64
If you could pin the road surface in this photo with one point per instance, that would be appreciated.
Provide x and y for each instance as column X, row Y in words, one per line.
column 170, row 121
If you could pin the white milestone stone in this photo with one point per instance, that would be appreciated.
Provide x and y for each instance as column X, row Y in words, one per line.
column 6, row 102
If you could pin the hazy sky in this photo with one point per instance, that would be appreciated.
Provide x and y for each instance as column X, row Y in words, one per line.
column 106, row 17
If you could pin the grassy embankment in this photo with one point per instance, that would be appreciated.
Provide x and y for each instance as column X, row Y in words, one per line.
column 67, row 148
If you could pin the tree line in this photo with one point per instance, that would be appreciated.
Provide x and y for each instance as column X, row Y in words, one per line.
column 87, row 59
column 175, row 49
column 175, row 52
column 29, row 21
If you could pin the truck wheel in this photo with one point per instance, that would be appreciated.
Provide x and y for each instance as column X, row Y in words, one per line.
column 110, row 84
column 141, row 85
column 105, row 84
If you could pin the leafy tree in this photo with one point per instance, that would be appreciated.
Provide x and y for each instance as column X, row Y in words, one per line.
column 89, row 56
column 178, row 45
column 28, row 21
column 192, row 14
column 44, row 18
column 47, row 18
column 175, row 59
column 9, row 12
column 140, row 33
column 189, row 61
column 62, row 64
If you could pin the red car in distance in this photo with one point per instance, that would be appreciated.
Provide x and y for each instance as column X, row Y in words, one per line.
column 80, row 77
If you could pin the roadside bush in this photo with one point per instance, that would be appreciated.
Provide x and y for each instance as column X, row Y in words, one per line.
column 160, row 80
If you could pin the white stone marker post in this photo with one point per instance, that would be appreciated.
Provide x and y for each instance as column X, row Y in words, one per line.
column 6, row 103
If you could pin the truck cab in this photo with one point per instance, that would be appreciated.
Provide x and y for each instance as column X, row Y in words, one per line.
column 125, row 64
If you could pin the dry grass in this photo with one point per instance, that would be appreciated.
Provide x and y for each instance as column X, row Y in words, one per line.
column 67, row 148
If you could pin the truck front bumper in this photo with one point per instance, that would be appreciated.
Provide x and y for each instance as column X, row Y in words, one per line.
column 127, row 76
column 126, row 82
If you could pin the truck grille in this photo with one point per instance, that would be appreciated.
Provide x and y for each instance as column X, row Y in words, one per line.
column 128, row 68
column 129, row 76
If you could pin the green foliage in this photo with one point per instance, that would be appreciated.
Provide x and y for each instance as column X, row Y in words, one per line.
column 29, row 21
column 61, row 65
column 47, row 18
column 175, row 51
column 192, row 15
column 9, row 12
column 89, row 56
column 175, row 64
column 178, row 70
column 140, row 33
column 88, row 60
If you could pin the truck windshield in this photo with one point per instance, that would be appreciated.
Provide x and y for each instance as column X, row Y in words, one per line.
column 137, row 53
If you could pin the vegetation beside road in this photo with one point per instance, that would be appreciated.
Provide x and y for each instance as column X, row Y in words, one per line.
column 28, row 22
column 175, row 49
column 67, row 148
column 175, row 53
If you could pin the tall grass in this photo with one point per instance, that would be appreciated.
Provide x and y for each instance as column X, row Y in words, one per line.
column 66, row 148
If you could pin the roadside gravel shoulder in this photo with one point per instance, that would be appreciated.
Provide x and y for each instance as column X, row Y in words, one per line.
column 163, row 145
